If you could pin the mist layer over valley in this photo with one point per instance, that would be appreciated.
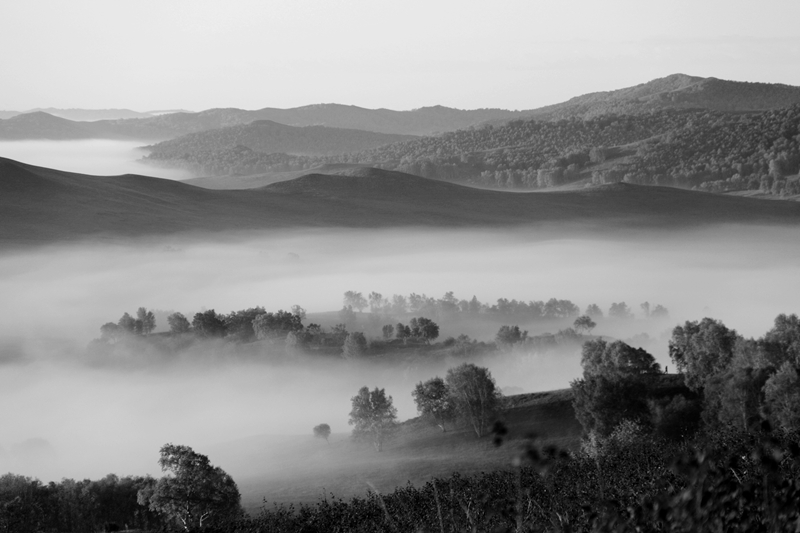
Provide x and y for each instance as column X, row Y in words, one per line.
column 104, row 157
column 77, row 414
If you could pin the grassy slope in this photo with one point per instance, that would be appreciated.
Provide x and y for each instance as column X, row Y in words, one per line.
column 304, row 469
column 39, row 205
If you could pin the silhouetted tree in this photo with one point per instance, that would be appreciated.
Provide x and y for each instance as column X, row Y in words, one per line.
column 388, row 331
column 209, row 324
column 355, row 300
column 195, row 494
column 322, row 431
column 584, row 323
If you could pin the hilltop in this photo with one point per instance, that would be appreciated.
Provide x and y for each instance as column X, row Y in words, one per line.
column 677, row 91
column 40, row 205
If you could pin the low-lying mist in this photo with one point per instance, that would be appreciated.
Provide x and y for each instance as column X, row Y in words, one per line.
column 67, row 415
column 101, row 157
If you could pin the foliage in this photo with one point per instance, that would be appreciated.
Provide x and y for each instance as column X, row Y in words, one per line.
column 355, row 300
column 475, row 396
column 194, row 493
column 178, row 324
column 322, row 431
column 209, row 324
column 584, row 323
column 702, row 349
column 355, row 345
column 373, row 416
column 508, row 336
column 424, row 328
column 275, row 326
column 434, row 401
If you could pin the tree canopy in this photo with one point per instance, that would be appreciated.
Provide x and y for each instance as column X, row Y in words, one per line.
column 194, row 493
column 373, row 416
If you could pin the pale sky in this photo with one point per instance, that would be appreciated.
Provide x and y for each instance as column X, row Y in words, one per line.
column 196, row 54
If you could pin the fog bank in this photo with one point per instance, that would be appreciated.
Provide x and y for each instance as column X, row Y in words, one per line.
column 74, row 419
column 102, row 157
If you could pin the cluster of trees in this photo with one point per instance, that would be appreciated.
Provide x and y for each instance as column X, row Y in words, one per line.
column 468, row 394
column 193, row 496
column 449, row 305
column 143, row 324
column 726, row 381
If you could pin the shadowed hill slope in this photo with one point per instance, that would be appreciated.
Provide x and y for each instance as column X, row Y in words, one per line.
column 40, row 205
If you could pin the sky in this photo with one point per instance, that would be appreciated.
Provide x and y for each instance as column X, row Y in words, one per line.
column 198, row 54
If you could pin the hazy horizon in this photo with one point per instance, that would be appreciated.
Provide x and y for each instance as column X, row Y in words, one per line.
column 512, row 55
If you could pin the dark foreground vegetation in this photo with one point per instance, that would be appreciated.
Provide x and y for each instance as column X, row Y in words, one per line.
column 714, row 448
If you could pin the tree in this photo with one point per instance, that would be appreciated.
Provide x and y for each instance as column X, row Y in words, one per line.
column 388, row 331
column 276, row 326
column 127, row 323
column 474, row 395
column 195, row 494
column 323, row 431
column 782, row 395
column 584, row 323
column 434, row 402
column 616, row 359
column 402, row 332
column 424, row 328
column 209, row 324
column 377, row 302
column 355, row 300
column 354, row 345
column 146, row 321
column 178, row 324
column 110, row 332
column 594, row 311
column 239, row 324
column 508, row 336
column 701, row 350
column 620, row 310
column 373, row 416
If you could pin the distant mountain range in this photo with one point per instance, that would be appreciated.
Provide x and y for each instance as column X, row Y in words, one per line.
column 40, row 205
column 423, row 121
column 89, row 115
column 678, row 91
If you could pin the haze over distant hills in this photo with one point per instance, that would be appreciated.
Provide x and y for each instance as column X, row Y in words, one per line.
column 678, row 91
column 40, row 205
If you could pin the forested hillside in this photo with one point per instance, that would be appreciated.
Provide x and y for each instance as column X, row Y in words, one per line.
column 709, row 150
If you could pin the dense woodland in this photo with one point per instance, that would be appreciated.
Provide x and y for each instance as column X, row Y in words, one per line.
column 712, row 151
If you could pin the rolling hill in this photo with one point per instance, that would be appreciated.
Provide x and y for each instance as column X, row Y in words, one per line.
column 294, row 469
column 40, row 205
column 268, row 137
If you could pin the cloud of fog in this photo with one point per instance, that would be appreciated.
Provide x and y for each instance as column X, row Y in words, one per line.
column 96, row 420
column 103, row 157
